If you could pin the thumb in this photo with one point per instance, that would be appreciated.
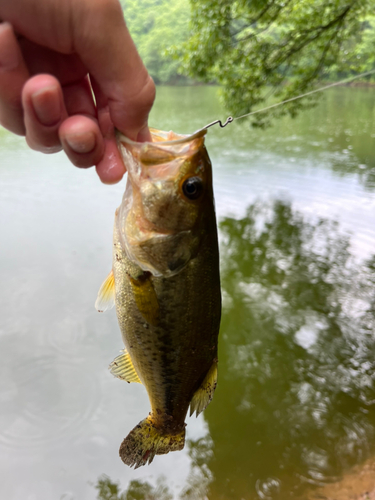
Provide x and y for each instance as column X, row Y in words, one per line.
column 105, row 46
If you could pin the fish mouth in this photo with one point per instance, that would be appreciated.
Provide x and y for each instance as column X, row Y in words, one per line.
column 166, row 148
column 167, row 138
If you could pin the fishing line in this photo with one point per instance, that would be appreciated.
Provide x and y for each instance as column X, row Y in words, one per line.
column 230, row 119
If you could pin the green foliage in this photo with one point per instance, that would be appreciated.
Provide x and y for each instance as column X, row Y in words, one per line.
column 364, row 50
column 108, row 490
column 137, row 490
column 157, row 25
column 258, row 48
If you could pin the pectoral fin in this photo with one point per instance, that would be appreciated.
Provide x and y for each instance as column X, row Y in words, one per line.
column 145, row 298
column 122, row 367
column 106, row 294
column 204, row 394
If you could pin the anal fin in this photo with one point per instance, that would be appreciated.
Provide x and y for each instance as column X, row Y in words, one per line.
column 106, row 294
column 203, row 396
column 122, row 367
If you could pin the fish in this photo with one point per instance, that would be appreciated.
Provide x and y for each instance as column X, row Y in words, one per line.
column 165, row 284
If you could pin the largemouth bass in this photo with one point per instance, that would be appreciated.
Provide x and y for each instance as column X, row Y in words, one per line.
column 166, row 287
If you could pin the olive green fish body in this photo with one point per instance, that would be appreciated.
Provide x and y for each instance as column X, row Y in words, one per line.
column 174, row 343
column 166, row 287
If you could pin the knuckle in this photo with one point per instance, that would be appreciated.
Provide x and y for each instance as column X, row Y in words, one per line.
column 81, row 161
column 12, row 120
column 104, row 8
column 139, row 104
column 150, row 92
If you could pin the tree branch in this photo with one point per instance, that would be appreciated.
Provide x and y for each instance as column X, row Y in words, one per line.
column 272, row 20
column 295, row 49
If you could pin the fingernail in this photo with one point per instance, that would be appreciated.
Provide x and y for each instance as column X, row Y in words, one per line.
column 82, row 142
column 9, row 53
column 47, row 106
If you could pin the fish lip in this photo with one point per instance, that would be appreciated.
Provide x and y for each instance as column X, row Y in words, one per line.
column 184, row 138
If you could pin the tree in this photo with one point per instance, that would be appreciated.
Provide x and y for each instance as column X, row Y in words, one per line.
column 258, row 48
column 155, row 25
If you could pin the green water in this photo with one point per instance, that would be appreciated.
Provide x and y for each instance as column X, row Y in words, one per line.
column 295, row 403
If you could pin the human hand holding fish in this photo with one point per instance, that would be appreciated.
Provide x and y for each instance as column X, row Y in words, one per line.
column 54, row 55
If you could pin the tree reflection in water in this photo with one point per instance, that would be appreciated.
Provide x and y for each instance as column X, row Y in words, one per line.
column 295, row 403
column 297, row 353
column 137, row 490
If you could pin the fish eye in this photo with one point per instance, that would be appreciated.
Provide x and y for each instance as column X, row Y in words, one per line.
column 192, row 188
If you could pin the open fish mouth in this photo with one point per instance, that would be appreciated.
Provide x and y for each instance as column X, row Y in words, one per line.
column 164, row 148
column 166, row 137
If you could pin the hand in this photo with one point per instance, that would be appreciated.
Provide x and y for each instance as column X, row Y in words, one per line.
column 54, row 55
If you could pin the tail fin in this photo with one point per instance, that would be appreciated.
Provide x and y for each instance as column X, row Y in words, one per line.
column 145, row 441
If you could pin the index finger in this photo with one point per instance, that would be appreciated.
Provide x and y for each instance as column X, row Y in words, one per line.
column 105, row 46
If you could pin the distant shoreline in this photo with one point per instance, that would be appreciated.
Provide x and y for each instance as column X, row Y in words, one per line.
column 360, row 84
column 322, row 83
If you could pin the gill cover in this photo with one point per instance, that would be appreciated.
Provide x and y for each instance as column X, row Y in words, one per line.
column 160, row 218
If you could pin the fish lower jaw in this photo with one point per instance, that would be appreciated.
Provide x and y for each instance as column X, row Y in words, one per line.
column 142, row 229
column 145, row 237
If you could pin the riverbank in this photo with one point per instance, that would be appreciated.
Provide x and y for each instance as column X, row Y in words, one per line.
column 357, row 484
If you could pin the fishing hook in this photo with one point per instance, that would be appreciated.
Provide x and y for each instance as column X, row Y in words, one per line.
column 228, row 120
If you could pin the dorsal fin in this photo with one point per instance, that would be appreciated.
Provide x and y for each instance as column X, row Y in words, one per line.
column 122, row 367
column 106, row 294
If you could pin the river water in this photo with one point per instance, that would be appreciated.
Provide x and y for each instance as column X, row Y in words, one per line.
column 295, row 403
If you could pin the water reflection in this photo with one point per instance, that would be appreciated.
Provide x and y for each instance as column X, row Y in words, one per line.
column 296, row 356
column 201, row 452
column 196, row 486
column 353, row 154
column 137, row 490
column 349, row 136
